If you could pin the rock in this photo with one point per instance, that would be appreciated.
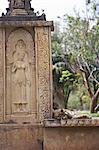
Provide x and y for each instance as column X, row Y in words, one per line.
column 81, row 117
column 58, row 114
column 62, row 114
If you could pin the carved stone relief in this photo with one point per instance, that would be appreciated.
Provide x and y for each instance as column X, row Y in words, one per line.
column 20, row 72
column 20, row 7
column 21, row 77
column 19, row 3
column 44, row 73
column 27, row 86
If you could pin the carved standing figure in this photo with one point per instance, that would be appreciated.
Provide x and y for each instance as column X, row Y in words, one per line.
column 21, row 74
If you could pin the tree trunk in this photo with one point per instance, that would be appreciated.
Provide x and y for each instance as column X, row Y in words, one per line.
column 94, row 101
column 66, row 98
column 81, row 102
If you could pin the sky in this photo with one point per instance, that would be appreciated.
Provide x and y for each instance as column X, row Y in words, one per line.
column 53, row 8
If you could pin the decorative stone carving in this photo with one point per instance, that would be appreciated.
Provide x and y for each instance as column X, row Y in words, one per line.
column 19, row 3
column 21, row 8
column 20, row 70
column 21, row 76
column 25, row 64
column 44, row 73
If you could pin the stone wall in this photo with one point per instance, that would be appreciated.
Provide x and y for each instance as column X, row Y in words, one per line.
column 52, row 136
column 72, row 137
column 20, row 137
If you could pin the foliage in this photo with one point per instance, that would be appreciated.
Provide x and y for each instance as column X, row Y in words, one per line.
column 69, row 80
column 78, row 48
column 56, row 40
column 74, row 103
column 88, row 113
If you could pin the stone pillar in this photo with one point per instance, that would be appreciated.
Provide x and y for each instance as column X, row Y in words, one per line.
column 2, row 74
column 43, row 72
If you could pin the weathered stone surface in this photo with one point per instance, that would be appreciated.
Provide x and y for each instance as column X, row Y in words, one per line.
column 71, row 138
column 44, row 76
column 34, row 67
column 71, row 123
column 2, row 72
column 25, row 22
column 20, row 70
column 71, row 134
column 25, row 77
column 22, row 8
column 20, row 137
column 26, row 89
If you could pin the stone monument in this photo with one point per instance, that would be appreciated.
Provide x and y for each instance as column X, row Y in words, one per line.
column 25, row 64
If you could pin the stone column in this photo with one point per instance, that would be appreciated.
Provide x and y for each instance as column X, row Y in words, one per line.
column 43, row 72
column 2, row 74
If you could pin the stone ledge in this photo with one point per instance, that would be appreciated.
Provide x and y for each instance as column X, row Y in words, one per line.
column 71, row 123
column 24, row 23
column 15, row 125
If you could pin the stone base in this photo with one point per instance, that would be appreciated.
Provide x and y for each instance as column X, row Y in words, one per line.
column 20, row 137
column 54, row 135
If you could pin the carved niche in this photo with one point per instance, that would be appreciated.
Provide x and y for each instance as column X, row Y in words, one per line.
column 19, row 3
column 20, row 79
